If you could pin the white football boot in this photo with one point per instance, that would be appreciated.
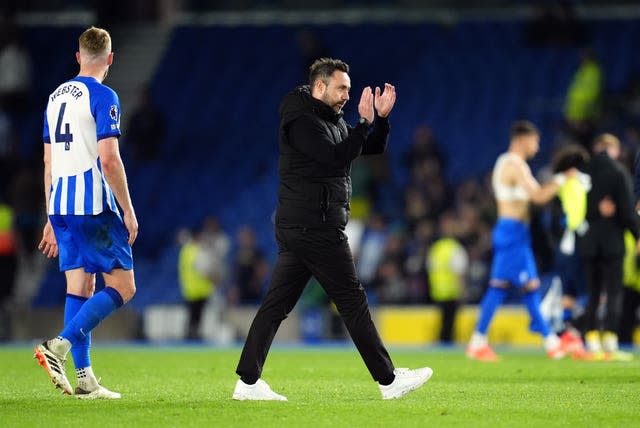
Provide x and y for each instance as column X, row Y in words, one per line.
column 53, row 363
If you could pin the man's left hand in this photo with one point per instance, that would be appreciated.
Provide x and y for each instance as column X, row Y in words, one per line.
column 384, row 101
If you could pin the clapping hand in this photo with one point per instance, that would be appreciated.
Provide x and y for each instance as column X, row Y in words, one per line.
column 365, row 107
column 384, row 101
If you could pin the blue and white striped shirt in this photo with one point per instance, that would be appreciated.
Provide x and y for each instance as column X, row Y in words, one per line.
column 81, row 112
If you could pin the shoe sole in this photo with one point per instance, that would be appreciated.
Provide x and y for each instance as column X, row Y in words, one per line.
column 96, row 397
column 42, row 362
column 238, row 397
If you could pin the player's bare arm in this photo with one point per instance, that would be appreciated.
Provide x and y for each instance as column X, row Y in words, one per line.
column 540, row 194
column 113, row 170
column 48, row 244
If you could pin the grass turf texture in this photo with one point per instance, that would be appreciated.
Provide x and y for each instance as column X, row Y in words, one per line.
column 164, row 387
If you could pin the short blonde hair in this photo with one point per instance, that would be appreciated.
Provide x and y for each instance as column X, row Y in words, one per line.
column 608, row 140
column 95, row 42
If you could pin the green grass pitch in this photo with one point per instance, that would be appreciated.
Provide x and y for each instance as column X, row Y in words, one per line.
column 326, row 387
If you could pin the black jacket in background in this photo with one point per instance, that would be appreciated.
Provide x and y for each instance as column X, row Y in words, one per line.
column 316, row 151
column 605, row 237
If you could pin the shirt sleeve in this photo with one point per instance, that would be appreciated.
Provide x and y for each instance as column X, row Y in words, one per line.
column 106, row 110
column 378, row 137
column 309, row 136
column 45, row 131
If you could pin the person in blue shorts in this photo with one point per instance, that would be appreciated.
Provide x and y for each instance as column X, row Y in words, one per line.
column 513, row 261
column 84, row 177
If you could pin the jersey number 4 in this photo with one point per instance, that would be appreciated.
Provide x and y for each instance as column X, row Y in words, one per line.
column 65, row 137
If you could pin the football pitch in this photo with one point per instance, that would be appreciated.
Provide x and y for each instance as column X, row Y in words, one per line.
column 326, row 387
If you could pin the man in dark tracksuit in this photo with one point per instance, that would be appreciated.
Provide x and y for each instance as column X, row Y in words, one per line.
column 316, row 151
column 610, row 211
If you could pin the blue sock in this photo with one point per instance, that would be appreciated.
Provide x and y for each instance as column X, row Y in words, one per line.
column 490, row 302
column 94, row 310
column 80, row 350
column 532, row 300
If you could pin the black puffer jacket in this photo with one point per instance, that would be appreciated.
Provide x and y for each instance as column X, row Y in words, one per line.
column 316, row 150
column 605, row 236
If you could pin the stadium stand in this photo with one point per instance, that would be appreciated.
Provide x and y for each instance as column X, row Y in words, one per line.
column 219, row 88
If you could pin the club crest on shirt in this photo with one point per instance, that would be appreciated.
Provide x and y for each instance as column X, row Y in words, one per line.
column 113, row 112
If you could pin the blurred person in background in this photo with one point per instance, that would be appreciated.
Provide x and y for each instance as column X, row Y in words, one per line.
column 8, row 153
column 513, row 260
column 26, row 199
column 371, row 249
column 196, row 284
column 631, row 292
column 447, row 264
column 416, row 207
column 582, row 102
column 15, row 70
column 215, row 250
column 316, row 150
column 8, row 267
column 390, row 280
column 424, row 147
column 146, row 129
column 610, row 211
column 568, row 220
column 84, row 183
column 416, row 249
column 250, row 269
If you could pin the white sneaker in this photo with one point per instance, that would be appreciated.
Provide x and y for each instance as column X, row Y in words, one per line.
column 258, row 391
column 53, row 364
column 99, row 393
column 406, row 381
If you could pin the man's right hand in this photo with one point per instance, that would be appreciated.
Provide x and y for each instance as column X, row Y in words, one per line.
column 607, row 207
column 365, row 107
column 48, row 245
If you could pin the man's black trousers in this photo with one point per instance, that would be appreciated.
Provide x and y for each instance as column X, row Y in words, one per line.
column 325, row 254
column 604, row 275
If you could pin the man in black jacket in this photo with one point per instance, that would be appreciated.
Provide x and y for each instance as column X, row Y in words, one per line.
column 316, row 151
column 610, row 211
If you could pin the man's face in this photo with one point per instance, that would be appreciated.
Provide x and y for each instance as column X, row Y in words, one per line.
column 613, row 151
column 335, row 91
column 532, row 144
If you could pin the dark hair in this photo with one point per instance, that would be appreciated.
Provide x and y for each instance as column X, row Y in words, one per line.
column 323, row 68
column 522, row 128
column 569, row 156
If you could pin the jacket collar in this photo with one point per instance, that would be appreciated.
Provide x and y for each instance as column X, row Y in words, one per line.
column 325, row 111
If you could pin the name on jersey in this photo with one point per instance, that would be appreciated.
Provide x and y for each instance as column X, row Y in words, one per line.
column 70, row 89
